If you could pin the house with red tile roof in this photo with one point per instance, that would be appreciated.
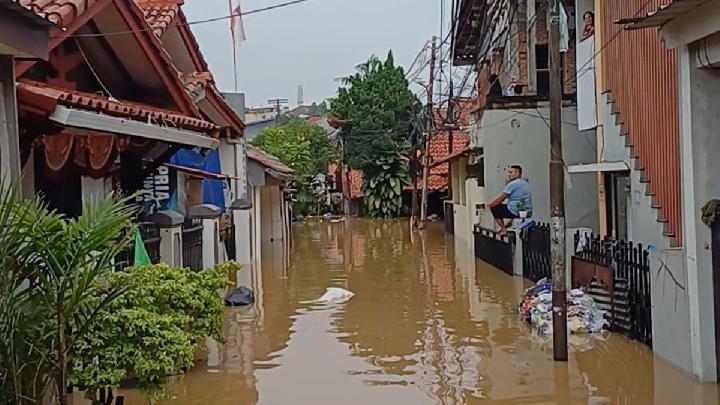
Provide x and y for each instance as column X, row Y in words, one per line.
column 105, row 109
column 256, row 177
column 124, row 88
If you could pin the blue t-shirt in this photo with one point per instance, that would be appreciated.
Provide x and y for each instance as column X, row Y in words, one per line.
column 518, row 190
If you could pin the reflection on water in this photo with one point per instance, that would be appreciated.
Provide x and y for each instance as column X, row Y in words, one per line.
column 428, row 324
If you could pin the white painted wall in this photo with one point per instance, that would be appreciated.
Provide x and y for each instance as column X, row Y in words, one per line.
column 699, row 142
column 671, row 308
column 464, row 209
column 228, row 165
column 277, row 211
column 266, row 213
column 522, row 136
column 257, row 225
column 94, row 189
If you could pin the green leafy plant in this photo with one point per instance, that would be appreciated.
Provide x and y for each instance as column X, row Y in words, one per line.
column 382, row 187
column 151, row 331
column 24, row 363
column 49, row 266
column 305, row 148
column 376, row 109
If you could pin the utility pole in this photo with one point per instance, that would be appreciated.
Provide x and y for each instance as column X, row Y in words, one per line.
column 278, row 102
column 430, row 122
column 414, row 167
column 557, row 191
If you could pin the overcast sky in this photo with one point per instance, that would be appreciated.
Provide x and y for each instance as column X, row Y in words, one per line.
column 309, row 44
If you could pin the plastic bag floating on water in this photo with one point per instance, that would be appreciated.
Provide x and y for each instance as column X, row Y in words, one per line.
column 335, row 295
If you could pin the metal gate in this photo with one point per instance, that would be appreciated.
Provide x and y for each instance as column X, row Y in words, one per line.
column 617, row 274
column 495, row 249
column 192, row 244
column 536, row 252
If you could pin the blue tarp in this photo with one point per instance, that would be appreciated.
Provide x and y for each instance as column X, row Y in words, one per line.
column 212, row 190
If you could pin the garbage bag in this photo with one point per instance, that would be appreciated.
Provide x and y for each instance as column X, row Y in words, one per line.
column 240, row 296
column 336, row 295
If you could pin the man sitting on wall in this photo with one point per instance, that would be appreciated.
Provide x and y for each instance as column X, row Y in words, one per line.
column 518, row 196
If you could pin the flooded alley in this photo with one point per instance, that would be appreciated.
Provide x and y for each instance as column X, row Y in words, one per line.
column 428, row 325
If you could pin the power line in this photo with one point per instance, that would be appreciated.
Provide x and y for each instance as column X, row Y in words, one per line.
column 209, row 20
column 422, row 52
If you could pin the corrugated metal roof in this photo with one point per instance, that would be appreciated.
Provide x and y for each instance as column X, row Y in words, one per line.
column 660, row 15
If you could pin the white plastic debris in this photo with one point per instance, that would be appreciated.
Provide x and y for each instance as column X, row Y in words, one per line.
column 335, row 295
column 583, row 315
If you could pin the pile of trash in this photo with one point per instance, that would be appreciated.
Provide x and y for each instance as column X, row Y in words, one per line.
column 583, row 316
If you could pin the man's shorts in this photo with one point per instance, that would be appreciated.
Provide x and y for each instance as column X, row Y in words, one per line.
column 502, row 212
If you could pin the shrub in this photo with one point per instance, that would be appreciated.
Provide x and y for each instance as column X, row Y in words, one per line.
column 151, row 331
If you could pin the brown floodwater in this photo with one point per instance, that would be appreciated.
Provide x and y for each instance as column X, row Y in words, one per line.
column 428, row 325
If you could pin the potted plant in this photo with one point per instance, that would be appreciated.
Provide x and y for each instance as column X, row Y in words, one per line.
column 522, row 212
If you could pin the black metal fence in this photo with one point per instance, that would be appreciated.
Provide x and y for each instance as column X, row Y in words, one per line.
column 536, row 252
column 192, row 244
column 150, row 234
column 227, row 237
column 495, row 249
column 449, row 218
column 622, row 270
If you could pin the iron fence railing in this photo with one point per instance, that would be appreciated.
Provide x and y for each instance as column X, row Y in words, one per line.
column 536, row 252
column 495, row 249
column 618, row 274
column 192, row 244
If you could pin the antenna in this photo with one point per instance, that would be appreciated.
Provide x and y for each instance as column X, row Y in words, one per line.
column 300, row 99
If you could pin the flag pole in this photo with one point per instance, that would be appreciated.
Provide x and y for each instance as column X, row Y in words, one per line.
column 234, row 45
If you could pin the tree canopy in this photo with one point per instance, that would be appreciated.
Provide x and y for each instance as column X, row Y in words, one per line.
column 305, row 148
column 376, row 108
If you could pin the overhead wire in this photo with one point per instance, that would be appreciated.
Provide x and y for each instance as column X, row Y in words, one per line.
column 190, row 23
column 422, row 52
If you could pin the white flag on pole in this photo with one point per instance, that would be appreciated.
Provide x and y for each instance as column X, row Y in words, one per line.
column 237, row 29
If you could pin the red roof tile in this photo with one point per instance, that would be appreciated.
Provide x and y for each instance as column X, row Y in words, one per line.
column 439, row 145
column 267, row 160
column 356, row 183
column 196, row 80
column 448, row 158
column 61, row 12
column 46, row 97
column 159, row 13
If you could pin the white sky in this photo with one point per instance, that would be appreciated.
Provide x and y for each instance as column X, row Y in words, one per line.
column 309, row 44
